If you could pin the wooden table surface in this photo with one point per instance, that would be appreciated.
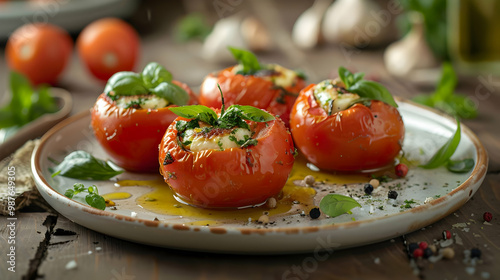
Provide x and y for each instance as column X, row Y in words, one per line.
column 44, row 249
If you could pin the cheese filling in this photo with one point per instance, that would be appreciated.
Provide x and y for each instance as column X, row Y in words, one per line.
column 141, row 102
column 206, row 138
column 278, row 75
column 333, row 97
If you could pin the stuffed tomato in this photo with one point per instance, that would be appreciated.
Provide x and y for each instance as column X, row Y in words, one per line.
column 347, row 126
column 131, row 116
column 228, row 159
column 265, row 86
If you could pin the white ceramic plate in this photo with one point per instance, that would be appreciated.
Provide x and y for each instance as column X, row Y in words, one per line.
column 379, row 219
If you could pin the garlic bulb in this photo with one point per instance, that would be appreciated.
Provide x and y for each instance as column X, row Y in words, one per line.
column 306, row 31
column 411, row 53
column 358, row 23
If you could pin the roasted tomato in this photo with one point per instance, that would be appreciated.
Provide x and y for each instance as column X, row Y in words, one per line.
column 215, row 167
column 334, row 134
column 270, row 87
column 130, row 127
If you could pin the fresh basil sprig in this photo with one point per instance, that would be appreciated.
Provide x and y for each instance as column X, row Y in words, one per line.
column 82, row 165
column 364, row 88
column 247, row 59
column 335, row 204
column 92, row 198
column 154, row 79
column 445, row 99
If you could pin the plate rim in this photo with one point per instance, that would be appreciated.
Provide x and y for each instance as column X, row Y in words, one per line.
column 477, row 175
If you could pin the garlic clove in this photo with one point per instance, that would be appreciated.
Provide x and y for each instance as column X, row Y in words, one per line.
column 226, row 32
column 306, row 31
column 411, row 53
column 255, row 34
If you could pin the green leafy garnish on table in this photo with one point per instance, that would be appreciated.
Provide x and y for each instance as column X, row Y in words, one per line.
column 26, row 104
column 445, row 98
column 82, row 165
column 92, row 198
column 154, row 79
column 192, row 26
column 247, row 60
column 335, row 204
column 366, row 89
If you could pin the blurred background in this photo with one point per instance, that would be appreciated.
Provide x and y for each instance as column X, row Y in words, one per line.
column 403, row 41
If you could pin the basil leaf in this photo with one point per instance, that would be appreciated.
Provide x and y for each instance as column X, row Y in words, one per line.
column 82, row 165
column 345, row 76
column 95, row 200
column 69, row 193
column 154, row 74
column 21, row 102
column 125, row 83
column 171, row 92
column 247, row 59
column 203, row 113
column 251, row 113
column 374, row 91
column 335, row 204
column 460, row 166
column 445, row 152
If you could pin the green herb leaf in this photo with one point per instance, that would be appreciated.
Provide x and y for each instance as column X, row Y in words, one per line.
column 364, row 88
column 460, row 166
column 82, row 165
column 69, row 193
column 335, row 204
column 192, row 26
column 155, row 74
column 445, row 99
column 200, row 112
column 95, row 200
column 125, row 83
column 445, row 152
column 247, row 59
column 251, row 113
column 171, row 92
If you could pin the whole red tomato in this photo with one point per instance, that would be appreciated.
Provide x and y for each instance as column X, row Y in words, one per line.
column 39, row 51
column 234, row 177
column 131, row 136
column 107, row 46
column 250, row 90
column 357, row 138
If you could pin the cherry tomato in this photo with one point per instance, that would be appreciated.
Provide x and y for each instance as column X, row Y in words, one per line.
column 39, row 51
column 131, row 136
column 234, row 177
column 250, row 90
column 357, row 138
column 107, row 46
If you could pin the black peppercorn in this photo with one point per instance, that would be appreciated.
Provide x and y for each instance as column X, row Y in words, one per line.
column 368, row 188
column 393, row 194
column 475, row 253
column 412, row 247
column 428, row 252
column 314, row 213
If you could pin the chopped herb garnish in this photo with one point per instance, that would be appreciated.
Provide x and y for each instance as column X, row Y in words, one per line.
column 168, row 159
column 92, row 198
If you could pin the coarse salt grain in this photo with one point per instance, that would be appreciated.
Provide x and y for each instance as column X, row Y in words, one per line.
column 428, row 199
column 376, row 260
column 133, row 214
column 71, row 265
column 470, row 270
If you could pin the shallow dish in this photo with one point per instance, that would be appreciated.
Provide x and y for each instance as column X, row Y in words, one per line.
column 146, row 211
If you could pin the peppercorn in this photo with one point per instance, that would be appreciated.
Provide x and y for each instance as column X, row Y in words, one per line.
column 448, row 253
column 487, row 216
column 401, row 170
column 368, row 188
column 375, row 183
column 418, row 253
column 475, row 253
column 314, row 213
column 423, row 245
column 412, row 247
column 393, row 194
column 446, row 234
column 428, row 252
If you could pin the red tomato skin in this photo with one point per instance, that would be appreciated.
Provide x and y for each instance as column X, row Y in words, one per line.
column 104, row 37
column 359, row 138
column 248, row 90
column 231, row 178
column 50, row 50
column 131, row 136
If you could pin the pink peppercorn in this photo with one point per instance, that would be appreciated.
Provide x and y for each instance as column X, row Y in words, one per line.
column 418, row 253
column 423, row 245
column 487, row 216
column 446, row 234
column 401, row 170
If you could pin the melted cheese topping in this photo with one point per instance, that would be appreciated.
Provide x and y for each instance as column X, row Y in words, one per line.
column 141, row 102
column 331, row 98
column 220, row 140
column 281, row 76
